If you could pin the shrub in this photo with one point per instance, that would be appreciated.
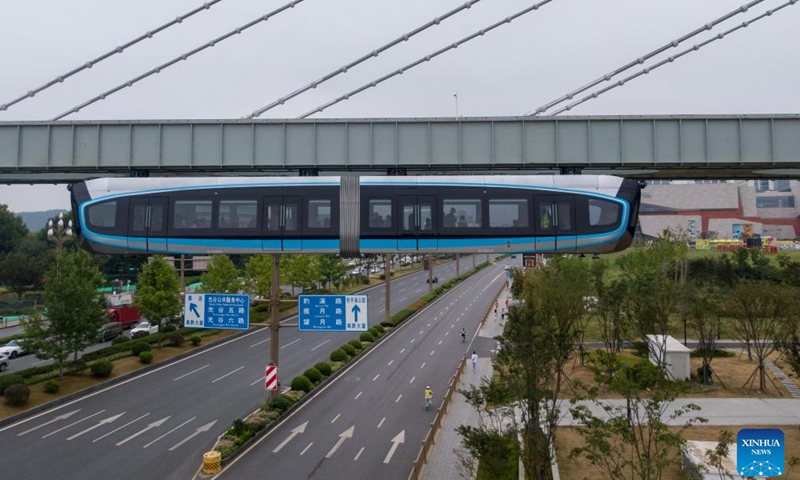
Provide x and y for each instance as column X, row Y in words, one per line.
column 348, row 349
column 301, row 383
column 195, row 339
column 52, row 386
column 168, row 328
column 356, row 344
column 139, row 347
column 379, row 329
column 398, row 317
column 375, row 333
column 176, row 339
column 146, row 357
column 102, row 368
column 120, row 339
column 17, row 394
column 10, row 379
column 387, row 324
column 281, row 403
column 324, row 368
column 367, row 337
column 339, row 356
column 313, row 374
column 365, row 280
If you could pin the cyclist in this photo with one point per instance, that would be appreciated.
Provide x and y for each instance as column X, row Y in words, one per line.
column 428, row 397
column 463, row 335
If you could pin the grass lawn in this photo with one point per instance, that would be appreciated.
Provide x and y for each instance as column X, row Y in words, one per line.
column 580, row 468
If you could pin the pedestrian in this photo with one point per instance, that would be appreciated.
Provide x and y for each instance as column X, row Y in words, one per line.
column 474, row 360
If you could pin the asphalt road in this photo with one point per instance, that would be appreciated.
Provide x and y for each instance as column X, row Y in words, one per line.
column 370, row 422
column 158, row 425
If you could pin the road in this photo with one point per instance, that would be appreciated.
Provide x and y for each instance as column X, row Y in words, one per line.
column 158, row 425
column 371, row 420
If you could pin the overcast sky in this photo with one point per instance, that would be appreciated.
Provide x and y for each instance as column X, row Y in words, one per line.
column 509, row 71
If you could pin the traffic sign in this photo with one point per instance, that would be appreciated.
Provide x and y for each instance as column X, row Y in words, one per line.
column 338, row 313
column 217, row 310
column 271, row 377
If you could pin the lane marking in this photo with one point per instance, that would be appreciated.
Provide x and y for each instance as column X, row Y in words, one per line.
column 376, row 377
column 381, row 310
column 262, row 341
column 396, row 401
column 162, row 436
column 432, row 352
column 403, row 350
column 305, row 449
column 412, row 340
column 294, row 341
column 75, row 423
column 440, row 342
column 446, row 333
column 321, row 344
column 382, row 420
column 193, row 371
column 231, row 373
column 390, row 363
column 259, row 380
column 336, row 418
column 423, row 331
column 359, row 394
column 359, row 453
column 120, row 428
column 412, row 379
column 423, row 365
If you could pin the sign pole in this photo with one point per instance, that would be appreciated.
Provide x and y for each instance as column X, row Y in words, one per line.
column 274, row 324
column 387, row 315
column 430, row 273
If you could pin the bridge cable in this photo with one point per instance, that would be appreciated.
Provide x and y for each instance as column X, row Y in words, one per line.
column 119, row 49
column 672, row 58
column 426, row 58
column 177, row 59
column 641, row 60
column 404, row 38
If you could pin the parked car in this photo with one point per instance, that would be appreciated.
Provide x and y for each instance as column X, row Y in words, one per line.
column 3, row 363
column 12, row 349
column 109, row 331
column 435, row 280
column 143, row 329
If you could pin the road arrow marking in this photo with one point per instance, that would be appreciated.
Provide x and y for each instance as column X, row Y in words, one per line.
column 58, row 418
column 162, row 436
column 397, row 440
column 99, row 424
column 119, row 428
column 295, row 431
column 342, row 437
column 75, row 423
column 197, row 432
column 155, row 424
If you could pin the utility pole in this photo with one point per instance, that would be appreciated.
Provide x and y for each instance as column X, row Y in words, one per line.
column 458, row 265
column 430, row 273
column 274, row 322
column 387, row 286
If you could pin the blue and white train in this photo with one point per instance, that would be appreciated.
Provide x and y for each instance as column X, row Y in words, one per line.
column 351, row 215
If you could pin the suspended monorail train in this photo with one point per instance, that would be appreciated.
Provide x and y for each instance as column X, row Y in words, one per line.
column 353, row 215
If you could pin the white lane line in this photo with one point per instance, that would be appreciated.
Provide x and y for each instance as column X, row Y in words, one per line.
column 162, row 436
column 412, row 340
column 285, row 389
column 403, row 299
column 396, row 401
column 432, row 352
column 336, row 418
column 120, row 428
column 440, row 342
column 359, row 453
column 359, row 394
column 390, row 363
column 75, row 423
column 403, row 350
column 423, row 365
column 305, row 449
column 321, row 344
column 230, row 373
column 412, row 379
column 423, row 331
column 453, row 325
column 376, row 377
column 295, row 341
column 446, row 333
column 193, row 371
column 258, row 381
column 381, row 310
column 383, row 420
column 262, row 341
column 429, row 325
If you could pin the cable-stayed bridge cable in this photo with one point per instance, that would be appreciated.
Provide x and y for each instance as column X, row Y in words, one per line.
column 672, row 58
column 119, row 49
column 374, row 53
column 641, row 60
column 177, row 59
column 426, row 58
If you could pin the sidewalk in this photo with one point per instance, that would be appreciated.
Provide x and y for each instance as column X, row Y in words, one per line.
column 443, row 463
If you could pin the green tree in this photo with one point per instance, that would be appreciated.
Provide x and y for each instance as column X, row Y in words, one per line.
column 330, row 268
column 259, row 275
column 704, row 317
column 298, row 271
column 221, row 276
column 24, row 267
column 158, row 291
column 75, row 311
column 12, row 230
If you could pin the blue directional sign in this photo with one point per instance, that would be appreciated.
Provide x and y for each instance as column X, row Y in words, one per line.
column 338, row 313
column 217, row 310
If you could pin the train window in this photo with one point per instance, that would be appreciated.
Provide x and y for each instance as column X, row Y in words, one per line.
column 103, row 215
column 157, row 217
column 508, row 213
column 319, row 214
column 603, row 213
column 380, row 214
column 462, row 213
column 545, row 216
column 192, row 214
column 238, row 214
column 139, row 216
column 564, row 211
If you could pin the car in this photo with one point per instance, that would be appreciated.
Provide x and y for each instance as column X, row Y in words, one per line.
column 3, row 363
column 143, row 329
column 435, row 280
column 12, row 349
column 109, row 331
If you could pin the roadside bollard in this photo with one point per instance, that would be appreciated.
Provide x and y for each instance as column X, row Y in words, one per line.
column 212, row 462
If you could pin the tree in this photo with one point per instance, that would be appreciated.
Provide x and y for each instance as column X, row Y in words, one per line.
column 75, row 311
column 158, row 291
column 330, row 269
column 221, row 276
column 259, row 274
column 704, row 317
column 298, row 271
column 12, row 230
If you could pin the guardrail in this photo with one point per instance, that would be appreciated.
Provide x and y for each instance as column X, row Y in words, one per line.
column 429, row 439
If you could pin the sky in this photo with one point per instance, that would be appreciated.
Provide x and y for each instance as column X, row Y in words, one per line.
column 509, row 71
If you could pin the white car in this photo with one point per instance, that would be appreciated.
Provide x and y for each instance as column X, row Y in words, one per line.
column 3, row 363
column 11, row 349
column 143, row 329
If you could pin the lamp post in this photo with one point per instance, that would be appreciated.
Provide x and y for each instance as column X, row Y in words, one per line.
column 58, row 233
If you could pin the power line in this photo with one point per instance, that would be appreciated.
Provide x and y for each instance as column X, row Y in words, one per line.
column 175, row 60
column 426, row 58
column 119, row 49
column 672, row 58
column 641, row 60
column 403, row 38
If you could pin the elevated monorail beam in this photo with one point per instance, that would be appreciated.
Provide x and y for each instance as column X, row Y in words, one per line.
column 720, row 146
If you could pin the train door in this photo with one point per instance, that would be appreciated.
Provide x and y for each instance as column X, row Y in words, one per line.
column 282, row 221
column 147, row 224
column 566, row 231
column 555, row 223
column 544, row 226
column 416, row 223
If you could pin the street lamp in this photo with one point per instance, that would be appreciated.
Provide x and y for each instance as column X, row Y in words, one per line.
column 58, row 233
